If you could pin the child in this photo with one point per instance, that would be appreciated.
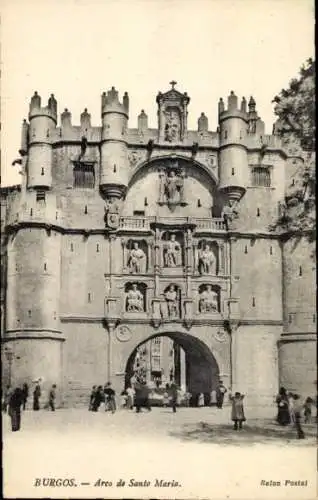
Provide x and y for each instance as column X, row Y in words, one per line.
column 308, row 409
column 237, row 415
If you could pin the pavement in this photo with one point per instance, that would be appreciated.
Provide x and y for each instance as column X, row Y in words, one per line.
column 194, row 453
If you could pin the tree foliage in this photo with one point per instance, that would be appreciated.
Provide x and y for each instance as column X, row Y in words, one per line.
column 295, row 109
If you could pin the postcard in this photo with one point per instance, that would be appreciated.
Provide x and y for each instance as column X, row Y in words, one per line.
column 158, row 294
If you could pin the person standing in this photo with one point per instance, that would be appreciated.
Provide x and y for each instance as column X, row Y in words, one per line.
column 297, row 412
column 130, row 398
column 52, row 396
column 290, row 398
column 201, row 400
column 237, row 413
column 220, row 393
column 36, row 397
column 283, row 415
column 25, row 390
column 15, row 403
column 308, row 410
column 174, row 396
column 110, row 401
column 91, row 398
column 98, row 398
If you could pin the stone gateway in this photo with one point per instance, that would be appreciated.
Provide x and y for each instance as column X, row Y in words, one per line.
column 127, row 247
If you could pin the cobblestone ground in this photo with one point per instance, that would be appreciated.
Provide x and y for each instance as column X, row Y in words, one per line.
column 195, row 448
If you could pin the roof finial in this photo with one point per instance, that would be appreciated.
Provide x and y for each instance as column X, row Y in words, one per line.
column 173, row 83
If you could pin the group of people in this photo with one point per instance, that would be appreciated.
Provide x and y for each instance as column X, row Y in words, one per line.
column 137, row 395
column 290, row 410
column 101, row 395
column 15, row 400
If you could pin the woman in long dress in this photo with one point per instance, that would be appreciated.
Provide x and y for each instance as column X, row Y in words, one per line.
column 283, row 414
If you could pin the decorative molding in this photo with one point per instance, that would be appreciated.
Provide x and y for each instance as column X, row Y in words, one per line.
column 123, row 333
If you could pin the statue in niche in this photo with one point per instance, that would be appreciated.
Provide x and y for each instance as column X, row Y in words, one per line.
column 136, row 259
column 208, row 302
column 207, row 261
column 134, row 300
column 229, row 213
column 171, row 296
column 172, row 126
column 172, row 256
column 174, row 187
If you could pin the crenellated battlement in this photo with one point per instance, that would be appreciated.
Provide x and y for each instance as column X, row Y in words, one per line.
column 49, row 111
column 112, row 104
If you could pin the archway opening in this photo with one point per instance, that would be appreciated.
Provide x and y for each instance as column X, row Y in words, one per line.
column 175, row 356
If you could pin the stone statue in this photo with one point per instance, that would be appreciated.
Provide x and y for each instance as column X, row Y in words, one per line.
column 171, row 296
column 207, row 261
column 135, row 300
column 208, row 302
column 173, row 256
column 172, row 127
column 229, row 213
column 136, row 259
column 174, row 188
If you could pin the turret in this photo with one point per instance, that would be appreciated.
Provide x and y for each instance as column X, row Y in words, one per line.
column 114, row 152
column 233, row 164
column 42, row 126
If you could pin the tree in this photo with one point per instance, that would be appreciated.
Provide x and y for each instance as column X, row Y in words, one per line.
column 296, row 125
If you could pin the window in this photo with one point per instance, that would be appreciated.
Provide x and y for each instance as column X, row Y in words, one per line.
column 261, row 177
column 139, row 213
column 40, row 195
column 83, row 175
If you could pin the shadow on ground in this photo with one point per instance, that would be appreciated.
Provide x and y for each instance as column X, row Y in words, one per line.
column 250, row 434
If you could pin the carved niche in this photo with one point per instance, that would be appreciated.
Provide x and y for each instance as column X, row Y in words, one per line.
column 136, row 258
column 207, row 257
column 172, row 114
column 135, row 297
column 172, row 249
column 209, row 299
column 171, row 185
column 171, row 307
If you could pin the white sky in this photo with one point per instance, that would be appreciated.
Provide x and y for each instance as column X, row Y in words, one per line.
column 78, row 49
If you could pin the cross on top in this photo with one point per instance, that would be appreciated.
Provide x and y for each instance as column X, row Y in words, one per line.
column 173, row 83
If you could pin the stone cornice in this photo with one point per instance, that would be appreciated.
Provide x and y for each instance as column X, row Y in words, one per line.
column 199, row 321
column 297, row 337
column 86, row 232
column 33, row 333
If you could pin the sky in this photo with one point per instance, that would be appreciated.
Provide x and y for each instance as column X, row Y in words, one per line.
column 78, row 49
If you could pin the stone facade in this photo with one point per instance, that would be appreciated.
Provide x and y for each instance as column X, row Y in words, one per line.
column 120, row 235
